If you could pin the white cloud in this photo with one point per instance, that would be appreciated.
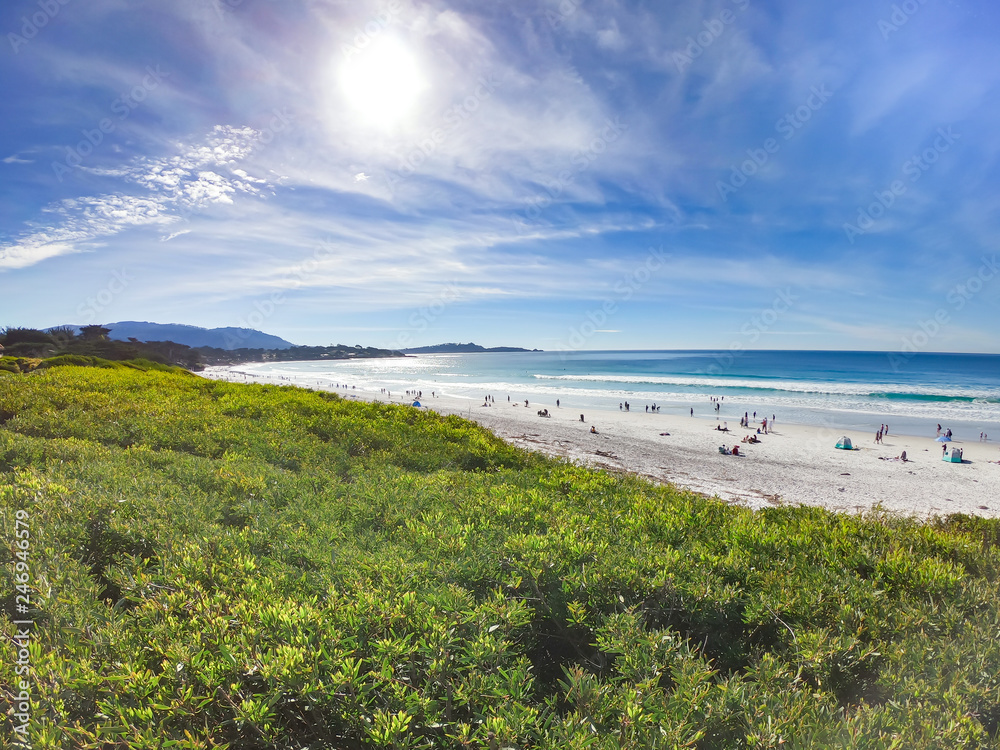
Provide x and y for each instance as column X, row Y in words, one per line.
column 611, row 38
column 174, row 186
column 38, row 248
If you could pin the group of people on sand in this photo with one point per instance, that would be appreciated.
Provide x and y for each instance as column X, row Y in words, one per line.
column 764, row 423
column 883, row 430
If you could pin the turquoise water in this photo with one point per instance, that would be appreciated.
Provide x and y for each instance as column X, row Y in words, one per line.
column 855, row 390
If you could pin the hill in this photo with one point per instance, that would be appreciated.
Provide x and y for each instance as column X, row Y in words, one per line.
column 194, row 336
column 211, row 564
column 462, row 349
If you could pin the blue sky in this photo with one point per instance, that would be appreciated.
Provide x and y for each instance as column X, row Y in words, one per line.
column 592, row 174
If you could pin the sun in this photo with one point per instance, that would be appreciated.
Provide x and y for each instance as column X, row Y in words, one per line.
column 382, row 83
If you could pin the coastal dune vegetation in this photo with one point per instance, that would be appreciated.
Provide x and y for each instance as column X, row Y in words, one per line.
column 252, row 566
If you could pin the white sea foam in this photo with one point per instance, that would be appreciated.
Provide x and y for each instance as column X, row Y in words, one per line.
column 795, row 386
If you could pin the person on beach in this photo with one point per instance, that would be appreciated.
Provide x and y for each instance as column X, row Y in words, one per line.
column 692, row 411
column 557, row 403
column 581, row 418
column 939, row 431
column 593, row 430
column 619, row 406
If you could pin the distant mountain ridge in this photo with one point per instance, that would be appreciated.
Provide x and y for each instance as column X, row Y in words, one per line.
column 194, row 336
column 469, row 348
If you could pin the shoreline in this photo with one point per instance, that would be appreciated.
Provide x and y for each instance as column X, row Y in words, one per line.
column 794, row 464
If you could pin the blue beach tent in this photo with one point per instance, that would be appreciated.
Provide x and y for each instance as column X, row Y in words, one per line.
column 954, row 456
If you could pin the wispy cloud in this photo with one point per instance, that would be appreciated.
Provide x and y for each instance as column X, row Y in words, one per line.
column 193, row 178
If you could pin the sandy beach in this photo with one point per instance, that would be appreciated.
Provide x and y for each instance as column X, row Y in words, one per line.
column 792, row 464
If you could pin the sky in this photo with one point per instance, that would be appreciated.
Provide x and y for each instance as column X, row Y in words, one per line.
column 558, row 174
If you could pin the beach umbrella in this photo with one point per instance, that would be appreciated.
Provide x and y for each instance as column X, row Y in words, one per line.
column 944, row 439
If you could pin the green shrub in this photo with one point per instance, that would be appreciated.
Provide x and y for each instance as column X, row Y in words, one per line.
column 246, row 566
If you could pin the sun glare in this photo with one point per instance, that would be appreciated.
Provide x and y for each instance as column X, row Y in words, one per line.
column 382, row 82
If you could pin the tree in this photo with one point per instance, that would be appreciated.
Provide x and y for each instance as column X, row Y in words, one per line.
column 94, row 333
column 13, row 336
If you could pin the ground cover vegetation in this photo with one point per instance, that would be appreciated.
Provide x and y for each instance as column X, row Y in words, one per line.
column 248, row 566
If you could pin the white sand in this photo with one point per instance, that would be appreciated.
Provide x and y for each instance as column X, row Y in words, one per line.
column 794, row 464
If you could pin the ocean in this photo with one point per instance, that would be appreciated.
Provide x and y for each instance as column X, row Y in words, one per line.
column 849, row 390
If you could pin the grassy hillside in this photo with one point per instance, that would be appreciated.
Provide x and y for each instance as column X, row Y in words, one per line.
column 217, row 565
